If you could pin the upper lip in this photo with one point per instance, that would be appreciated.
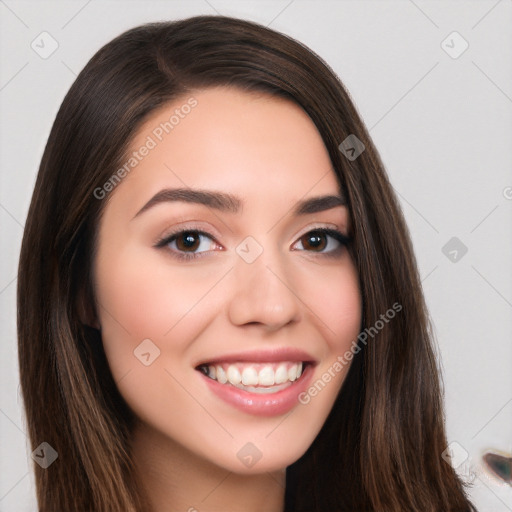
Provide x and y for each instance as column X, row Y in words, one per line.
column 261, row 356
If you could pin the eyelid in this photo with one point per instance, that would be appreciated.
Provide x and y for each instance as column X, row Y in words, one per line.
column 183, row 227
column 166, row 239
column 343, row 239
column 327, row 226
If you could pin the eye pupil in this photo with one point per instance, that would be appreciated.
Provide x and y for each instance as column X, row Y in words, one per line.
column 187, row 240
column 315, row 241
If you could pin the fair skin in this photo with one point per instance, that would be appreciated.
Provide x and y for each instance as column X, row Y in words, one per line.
column 301, row 293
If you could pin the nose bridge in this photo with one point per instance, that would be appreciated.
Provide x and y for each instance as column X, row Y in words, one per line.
column 262, row 292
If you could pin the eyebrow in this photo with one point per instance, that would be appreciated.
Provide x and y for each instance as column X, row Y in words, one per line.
column 228, row 203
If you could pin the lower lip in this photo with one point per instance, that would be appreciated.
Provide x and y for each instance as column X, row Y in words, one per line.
column 271, row 404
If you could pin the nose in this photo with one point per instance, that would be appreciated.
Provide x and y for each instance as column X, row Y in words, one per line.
column 263, row 294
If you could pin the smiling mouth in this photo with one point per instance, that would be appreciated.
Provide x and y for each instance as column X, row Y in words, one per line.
column 255, row 377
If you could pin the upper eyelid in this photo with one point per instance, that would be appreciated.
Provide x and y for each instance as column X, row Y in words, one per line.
column 198, row 228
column 176, row 230
column 326, row 225
column 166, row 239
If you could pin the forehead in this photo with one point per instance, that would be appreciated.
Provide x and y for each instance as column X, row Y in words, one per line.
column 225, row 138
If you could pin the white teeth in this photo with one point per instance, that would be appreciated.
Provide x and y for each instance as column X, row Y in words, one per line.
column 250, row 377
column 255, row 375
column 266, row 376
column 281, row 374
column 221, row 375
column 234, row 376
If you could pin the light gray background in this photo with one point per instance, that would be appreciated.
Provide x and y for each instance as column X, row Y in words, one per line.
column 442, row 126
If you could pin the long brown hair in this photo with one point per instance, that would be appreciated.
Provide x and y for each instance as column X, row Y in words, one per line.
column 380, row 448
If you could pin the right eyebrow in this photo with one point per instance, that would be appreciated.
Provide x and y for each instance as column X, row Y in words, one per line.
column 218, row 200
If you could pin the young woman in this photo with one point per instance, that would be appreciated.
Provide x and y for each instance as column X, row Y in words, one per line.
column 218, row 305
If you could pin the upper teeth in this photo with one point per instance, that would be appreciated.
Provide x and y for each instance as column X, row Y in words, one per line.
column 255, row 374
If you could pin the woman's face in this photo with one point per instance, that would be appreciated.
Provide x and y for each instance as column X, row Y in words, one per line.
column 218, row 259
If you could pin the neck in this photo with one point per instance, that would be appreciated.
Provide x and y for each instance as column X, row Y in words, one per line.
column 175, row 478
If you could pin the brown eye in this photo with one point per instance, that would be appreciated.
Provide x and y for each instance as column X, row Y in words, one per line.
column 314, row 241
column 328, row 242
column 188, row 241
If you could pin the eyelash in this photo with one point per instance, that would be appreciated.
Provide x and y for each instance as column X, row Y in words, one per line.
column 342, row 239
column 162, row 243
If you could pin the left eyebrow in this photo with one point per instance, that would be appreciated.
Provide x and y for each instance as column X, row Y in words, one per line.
column 319, row 204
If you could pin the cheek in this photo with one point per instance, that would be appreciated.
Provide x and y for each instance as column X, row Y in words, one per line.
column 150, row 312
column 141, row 296
column 332, row 294
column 341, row 311
column 346, row 310
column 336, row 308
